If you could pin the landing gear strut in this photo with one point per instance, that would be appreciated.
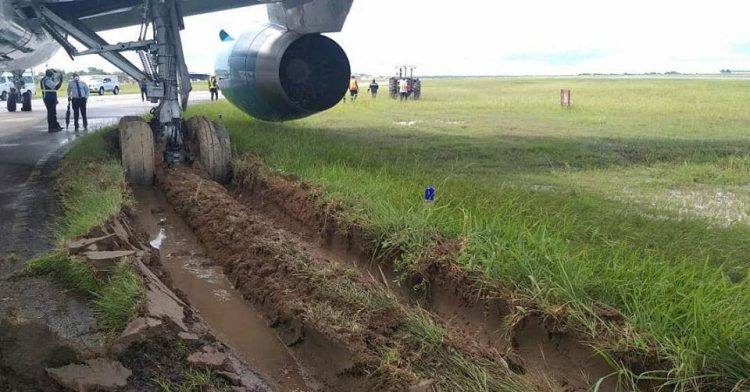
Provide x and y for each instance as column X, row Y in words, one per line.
column 17, row 94
column 163, row 67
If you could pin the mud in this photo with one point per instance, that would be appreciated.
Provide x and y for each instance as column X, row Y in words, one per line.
column 550, row 357
column 204, row 286
column 323, row 309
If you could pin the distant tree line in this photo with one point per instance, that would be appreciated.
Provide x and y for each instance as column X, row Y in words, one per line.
column 124, row 78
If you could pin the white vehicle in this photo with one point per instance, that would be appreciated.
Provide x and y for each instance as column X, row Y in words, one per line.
column 6, row 83
column 102, row 83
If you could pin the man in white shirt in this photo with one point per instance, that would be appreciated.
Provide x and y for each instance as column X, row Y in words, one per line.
column 78, row 94
column 403, row 89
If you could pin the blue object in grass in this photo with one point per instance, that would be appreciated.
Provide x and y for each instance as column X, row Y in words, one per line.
column 429, row 194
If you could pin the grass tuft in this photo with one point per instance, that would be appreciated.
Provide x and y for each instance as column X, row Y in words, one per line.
column 194, row 380
column 72, row 271
column 117, row 303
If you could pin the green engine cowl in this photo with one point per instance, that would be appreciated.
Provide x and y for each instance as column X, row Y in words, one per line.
column 278, row 75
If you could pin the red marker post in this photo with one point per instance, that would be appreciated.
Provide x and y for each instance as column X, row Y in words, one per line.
column 565, row 98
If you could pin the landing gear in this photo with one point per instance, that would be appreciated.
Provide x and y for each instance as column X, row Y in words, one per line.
column 26, row 102
column 12, row 97
column 137, row 148
column 209, row 145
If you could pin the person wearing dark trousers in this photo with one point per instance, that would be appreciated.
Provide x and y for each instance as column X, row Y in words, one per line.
column 373, row 89
column 144, row 89
column 213, row 87
column 78, row 95
column 50, row 83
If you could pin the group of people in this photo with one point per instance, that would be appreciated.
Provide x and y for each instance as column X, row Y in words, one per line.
column 354, row 89
column 78, row 94
column 405, row 89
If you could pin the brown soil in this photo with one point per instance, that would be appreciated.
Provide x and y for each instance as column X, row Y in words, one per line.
column 337, row 320
column 551, row 356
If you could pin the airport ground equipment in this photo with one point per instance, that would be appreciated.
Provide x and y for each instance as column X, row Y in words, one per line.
column 415, row 85
column 280, row 71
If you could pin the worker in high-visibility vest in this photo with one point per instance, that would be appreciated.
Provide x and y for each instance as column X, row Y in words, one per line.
column 353, row 88
column 50, row 83
column 213, row 87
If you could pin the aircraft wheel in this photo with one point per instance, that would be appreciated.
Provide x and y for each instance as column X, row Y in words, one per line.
column 101, row 90
column 26, row 102
column 210, row 143
column 137, row 147
column 11, row 103
column 4, row 96
column 116, row 91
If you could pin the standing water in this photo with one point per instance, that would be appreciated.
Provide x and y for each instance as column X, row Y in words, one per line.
column 231, row 319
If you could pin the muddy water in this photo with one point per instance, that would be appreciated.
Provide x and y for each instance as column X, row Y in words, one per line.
column 230, row 318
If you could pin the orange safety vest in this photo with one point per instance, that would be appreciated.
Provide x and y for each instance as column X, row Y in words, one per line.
column 353, row 85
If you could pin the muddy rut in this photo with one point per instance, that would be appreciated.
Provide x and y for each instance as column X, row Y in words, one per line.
column 346, row 319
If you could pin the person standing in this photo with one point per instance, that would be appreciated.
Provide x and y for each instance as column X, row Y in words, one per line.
column 403, row 89
column 373, row 89
column 144, row 89
column 78, row 95
column 49, row 84
column 353, row 88
column 213, row 87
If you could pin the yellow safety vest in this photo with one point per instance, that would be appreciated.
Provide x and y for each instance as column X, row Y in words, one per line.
column 212, row 83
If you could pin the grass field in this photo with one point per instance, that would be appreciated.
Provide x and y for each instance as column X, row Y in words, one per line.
column 636, row 197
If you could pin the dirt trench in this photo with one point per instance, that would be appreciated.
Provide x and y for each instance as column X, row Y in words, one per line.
column 542, row 348
column 290, row 256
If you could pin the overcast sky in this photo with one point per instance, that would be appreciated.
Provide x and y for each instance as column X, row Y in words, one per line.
column 485, row 37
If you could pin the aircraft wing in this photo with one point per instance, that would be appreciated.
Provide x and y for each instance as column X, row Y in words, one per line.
column 101, row 15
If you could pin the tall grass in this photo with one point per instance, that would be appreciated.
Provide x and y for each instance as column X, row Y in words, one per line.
column 564, row 206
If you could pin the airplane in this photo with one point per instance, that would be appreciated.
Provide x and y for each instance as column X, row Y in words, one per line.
column 279, row 71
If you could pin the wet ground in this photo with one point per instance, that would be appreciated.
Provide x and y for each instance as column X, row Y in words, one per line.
column 28, row 212
column 233, row 321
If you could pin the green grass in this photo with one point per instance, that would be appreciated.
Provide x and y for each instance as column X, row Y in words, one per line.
column 194, row 380
column 635, row 198
column 92, row 189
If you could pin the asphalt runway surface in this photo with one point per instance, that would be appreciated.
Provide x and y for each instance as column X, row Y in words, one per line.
column 29, row 211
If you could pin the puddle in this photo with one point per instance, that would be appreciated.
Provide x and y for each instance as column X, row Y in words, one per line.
column 223, row 309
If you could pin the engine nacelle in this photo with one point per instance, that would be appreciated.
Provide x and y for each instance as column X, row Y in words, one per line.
column 274, row 74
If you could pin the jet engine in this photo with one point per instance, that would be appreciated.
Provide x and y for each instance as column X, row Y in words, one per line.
column 274, row 74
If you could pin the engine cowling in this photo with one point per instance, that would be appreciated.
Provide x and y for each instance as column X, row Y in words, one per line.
column 274, row 74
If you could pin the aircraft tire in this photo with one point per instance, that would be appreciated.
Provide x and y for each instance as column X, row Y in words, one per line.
column 209, row 141
column 26, row 102
column 137, row 148
column 11, row 105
